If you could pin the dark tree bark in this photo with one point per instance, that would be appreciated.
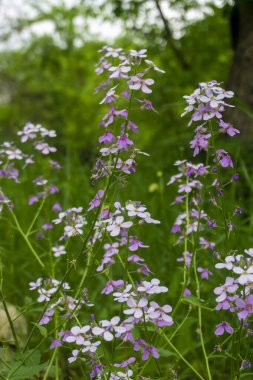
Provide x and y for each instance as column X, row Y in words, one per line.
column 241, row 75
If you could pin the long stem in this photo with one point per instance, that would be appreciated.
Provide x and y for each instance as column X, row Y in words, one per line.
column 26, row 239
column 185, row 252
column 200, row 319
column 181, row 356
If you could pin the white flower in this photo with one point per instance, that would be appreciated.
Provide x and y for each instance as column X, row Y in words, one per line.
column 246, row 275
column 119, row 71
column 117, row 225
column 90, row 346
column 112, row 325
column 124, row 295
column 152, row 287
column 77, row 334
column 136, row 307
column 58, row 251
column 44, row 147
column 139, row 53
column 45, row 295
column 100, row 331
column 136, row 210
column 151, row 63
column 73, row 358
column 36, row 284
column 136, row 83
column 73, row 230
column 14, row 154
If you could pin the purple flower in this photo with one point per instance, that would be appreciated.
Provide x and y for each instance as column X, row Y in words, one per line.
column 245, row 306
column 124, row 142
column 110, row 96
column 135, row 244
column 222, row 327
column 204, row 272
column 46, row 317
column 107, row 138
column 228, row 128
column 55, row 343
column 228, row 287
column 96, row 200
column 149, row 350
column 112, row 285
column 126, row 362
column 224, row 158
column 33, row 199
column 187, row 292
column 97, row 370
column 47, row 226
column 147, row 104
column 57, row 207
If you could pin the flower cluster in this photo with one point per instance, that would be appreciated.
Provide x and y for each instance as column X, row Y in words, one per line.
column 112, row 228
column 235, row 295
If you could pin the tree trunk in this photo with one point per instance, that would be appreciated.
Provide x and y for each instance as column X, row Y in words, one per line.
column 241, row 75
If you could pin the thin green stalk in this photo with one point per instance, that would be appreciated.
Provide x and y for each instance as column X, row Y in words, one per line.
column 10, row 321
column 185, row 250
column 181, row 356
column 25, row 237
column 35, row 217
column 50, row 363
column 200, row 319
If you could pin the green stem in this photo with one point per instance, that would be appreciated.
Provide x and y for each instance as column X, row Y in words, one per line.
column 185, row 250
column 181, row 356
column 200, row 319
column 25, row 237
column 35, row 217
column 10, row 321
column 50, row 363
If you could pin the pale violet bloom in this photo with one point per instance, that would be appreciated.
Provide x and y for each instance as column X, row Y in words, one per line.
column 14, row 154
column 45, row 294
column 119, row 71
column 90, row 346
column 99, row 331
column 136, row 83
column 139, row 53
column 139, row 211
column 36, row 284
column 112, row 52
column 77, row 334
column 136, row 307
column 44, row 148
column 73, row 230
column 58, row 251
column 73, row 358
column 229, row 263
column 118, row 224
column 112, row 325
column 122, row 375
column 110, row 96
column 246, row 274
column 152, row 287
column 228, row 287
column 124, row 295
column 151, row 63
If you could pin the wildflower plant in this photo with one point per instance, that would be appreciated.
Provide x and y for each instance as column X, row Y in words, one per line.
column 98, row 243
column 202, row 188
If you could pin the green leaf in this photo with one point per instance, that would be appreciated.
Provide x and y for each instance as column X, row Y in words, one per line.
column 26, row 372
column 42, row 329
column 196, row 302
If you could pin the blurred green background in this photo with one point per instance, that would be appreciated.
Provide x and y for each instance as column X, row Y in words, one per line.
column 47, row 63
